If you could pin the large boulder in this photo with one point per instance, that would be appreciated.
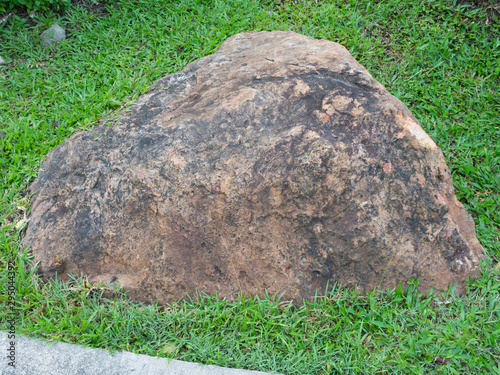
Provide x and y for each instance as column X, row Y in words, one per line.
column 276, row 163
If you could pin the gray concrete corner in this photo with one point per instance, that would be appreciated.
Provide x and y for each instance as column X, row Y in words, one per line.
column 33, row 356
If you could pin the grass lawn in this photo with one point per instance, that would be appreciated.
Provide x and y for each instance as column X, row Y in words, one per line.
column 442, row 59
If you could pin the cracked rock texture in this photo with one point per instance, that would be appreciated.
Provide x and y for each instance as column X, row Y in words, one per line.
column 276, row 163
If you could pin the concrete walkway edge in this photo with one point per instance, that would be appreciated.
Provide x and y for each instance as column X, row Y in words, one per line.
column 33, row 356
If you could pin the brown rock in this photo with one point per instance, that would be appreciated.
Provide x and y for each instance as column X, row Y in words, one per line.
column 278, row 162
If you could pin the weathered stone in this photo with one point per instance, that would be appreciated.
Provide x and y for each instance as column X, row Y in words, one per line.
column 54, row 34
column 276, row 163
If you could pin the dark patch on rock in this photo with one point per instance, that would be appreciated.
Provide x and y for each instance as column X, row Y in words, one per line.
column 278, row 163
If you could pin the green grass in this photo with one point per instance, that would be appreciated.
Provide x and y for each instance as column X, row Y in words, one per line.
column 442, row 60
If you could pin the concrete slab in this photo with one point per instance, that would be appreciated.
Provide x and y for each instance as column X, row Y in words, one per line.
column 37, row 357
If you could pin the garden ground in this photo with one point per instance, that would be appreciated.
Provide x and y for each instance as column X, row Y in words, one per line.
column 441, row 58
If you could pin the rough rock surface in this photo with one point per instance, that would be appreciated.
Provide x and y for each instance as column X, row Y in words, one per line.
column 276, row 163
column 53, row 35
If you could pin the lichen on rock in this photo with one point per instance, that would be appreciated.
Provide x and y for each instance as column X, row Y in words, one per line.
column 277, row 163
